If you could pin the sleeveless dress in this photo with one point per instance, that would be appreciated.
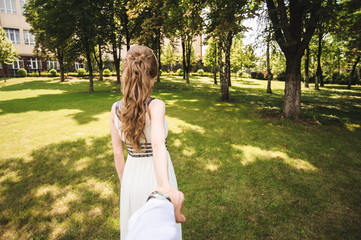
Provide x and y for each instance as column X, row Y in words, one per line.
column 139, row 178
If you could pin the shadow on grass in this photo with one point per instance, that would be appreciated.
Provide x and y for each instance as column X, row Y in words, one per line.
column 67, row 190
column 247, row 178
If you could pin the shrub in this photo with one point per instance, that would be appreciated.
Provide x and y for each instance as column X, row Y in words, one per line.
column 179, row 72
column 53, row 73
column 260, row 75
column 240, row 73
column 22, row 72
column 200, row 72
column 106, row 72
column 266, row 76
column 253, row 74
column 81, row 72
column 281, row 76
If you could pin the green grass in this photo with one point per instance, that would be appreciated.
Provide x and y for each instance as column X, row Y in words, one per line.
column 245, row 173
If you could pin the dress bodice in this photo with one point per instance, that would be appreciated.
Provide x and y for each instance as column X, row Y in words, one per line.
column 147, row 127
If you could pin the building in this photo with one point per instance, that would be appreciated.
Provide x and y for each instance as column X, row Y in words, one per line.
column 18, row 31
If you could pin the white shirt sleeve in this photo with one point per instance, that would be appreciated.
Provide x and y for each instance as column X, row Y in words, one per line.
column 154, row 221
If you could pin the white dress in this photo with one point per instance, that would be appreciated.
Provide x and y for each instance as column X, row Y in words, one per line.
column 139, row 178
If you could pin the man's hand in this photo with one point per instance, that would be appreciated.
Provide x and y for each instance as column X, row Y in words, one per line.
column 177, row 198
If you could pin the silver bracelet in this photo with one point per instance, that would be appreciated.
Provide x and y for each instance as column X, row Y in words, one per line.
column 159, row 195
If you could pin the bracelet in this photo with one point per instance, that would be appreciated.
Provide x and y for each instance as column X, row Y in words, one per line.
column 159, row 195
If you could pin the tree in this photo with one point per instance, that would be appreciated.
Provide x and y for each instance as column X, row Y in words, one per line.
column 294, row 23
column 169, row 57
column 224, row 22
column 53, row 27
column 210, row 57
column 185, row 22
column 8, row 53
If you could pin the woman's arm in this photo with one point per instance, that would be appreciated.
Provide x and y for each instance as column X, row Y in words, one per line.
column 117, row 145
column 160, row 154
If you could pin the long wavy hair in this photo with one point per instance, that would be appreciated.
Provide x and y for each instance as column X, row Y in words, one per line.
column 140, row 68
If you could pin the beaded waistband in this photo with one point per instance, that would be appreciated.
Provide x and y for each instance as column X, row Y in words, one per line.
column 147, row 150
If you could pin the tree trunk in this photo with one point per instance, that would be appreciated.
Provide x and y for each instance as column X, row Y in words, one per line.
column 159, row 54
column 116, row 61
column 227, row 55
column 292, row 98
column 352, row 74
column 215, row 64
column 307, row 65
column 188, row 51
column 268, row 63
column 222, row 79
column 60, row 57
column 319, row 78
column 100, row 63
column 90, row 68
column 183, row 58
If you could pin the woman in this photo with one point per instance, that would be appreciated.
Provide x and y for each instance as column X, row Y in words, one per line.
column 139, row 122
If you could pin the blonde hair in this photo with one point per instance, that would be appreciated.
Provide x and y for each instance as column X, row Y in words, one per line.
column 140, row 67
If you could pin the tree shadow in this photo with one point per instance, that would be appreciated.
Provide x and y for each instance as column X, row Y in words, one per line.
column 67, row 190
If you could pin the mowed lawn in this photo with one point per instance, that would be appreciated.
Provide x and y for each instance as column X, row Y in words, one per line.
column 245, row 173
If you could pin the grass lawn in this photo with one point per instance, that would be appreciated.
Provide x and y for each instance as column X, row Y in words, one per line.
column 245, row 173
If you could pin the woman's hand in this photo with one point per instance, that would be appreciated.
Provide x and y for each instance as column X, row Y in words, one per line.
column 177, row 198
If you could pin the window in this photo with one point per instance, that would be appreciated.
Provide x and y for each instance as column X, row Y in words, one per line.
column 13, row 35
column 52, row 65
column 33, row 63
column 8, row 6
column 18, row 63
column 29, row 38
column 22, row 3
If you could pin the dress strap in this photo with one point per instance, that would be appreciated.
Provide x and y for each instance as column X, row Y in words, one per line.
column 117, row 109
column 150, row 100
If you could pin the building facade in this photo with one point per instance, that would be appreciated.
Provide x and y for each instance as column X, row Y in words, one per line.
column 18, row 31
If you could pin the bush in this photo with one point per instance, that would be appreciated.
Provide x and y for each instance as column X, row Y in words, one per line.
column 240, row 73
column 260, row 75
column 179, row 72
column 81, row 72
column 53, row 73
column 281, row 76
column 106, row 72
column 253, row 74
column 200, row 72
column 22, row 72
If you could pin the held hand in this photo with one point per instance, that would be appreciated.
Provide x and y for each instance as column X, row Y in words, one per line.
column 177, row 198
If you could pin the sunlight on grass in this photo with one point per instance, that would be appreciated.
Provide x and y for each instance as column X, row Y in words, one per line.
column 212, row 167
column 177, row 126
column 102, row 188
column 23, row 94
column 61, row 205
column 10, row 176
column 352, row 127
column 58, row 230
column 82, row 163
column 250, row 154
column 48, row 189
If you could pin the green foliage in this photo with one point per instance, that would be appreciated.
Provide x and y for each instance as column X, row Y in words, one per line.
column 200, row 72
column 53, row 73
column 281, row 76
column 22, row 72
column 106, row 72
column 210, row 58
column 8, row 53
column 179, row 72
column 81, row 72
column 240, row 73
column 169, row 55
column 237, row 54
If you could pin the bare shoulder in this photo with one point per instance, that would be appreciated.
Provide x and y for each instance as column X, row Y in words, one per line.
column 156, row 107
